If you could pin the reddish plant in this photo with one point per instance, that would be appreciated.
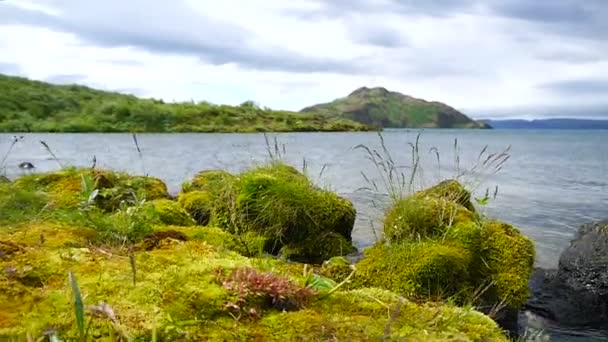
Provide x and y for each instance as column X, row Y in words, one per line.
column 262, row 289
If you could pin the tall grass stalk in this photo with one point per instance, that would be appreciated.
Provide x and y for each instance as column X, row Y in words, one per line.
column 139, row 154
column 14, row 142
column 54, row 157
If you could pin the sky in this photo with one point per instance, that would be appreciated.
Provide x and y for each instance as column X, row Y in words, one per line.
column 488, row 58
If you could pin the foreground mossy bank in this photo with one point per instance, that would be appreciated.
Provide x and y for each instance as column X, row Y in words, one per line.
column 150, row 268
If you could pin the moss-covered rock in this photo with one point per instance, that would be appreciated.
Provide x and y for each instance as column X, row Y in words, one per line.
column 212, row 181
column 437, row 229
column 198, row 204
column 450, row 190
column 171, row 213
column 71, row 186
column 507, row 262
column 420, row 217
column 424, row 269
column 279, row 204
column 317, row 249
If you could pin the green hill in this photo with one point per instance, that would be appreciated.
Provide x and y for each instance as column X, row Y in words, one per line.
column 383, row 108
column 33, row 106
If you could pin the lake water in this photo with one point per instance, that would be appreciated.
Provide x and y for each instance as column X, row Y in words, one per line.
column 553, row 182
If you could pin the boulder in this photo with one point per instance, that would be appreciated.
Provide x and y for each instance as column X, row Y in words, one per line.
column 298, row 220
column 576, row 294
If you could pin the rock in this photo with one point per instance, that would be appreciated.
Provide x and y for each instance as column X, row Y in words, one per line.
column 298, row 220
column 576, row 294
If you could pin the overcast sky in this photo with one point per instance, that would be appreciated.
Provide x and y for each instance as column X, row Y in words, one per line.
column 490, row 58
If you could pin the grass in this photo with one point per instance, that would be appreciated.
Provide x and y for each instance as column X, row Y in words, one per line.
column 32, row 106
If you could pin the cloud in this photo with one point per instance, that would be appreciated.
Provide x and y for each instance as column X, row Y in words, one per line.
column 578, row 87
column 168, row 28
column 376, row 33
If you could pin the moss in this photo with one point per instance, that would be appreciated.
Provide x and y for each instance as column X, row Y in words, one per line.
column 336, row 268
column 177, row 294
column 159, row 238
column 65, row 187
column 281, row 204
column 20, row 205
column 198, row 205
column 171, row 213
column 450, row 190
column 507, row 260
column 209, row 180
column 317, row 249
column 424, row 269
column 418, row 217
column 370, row 315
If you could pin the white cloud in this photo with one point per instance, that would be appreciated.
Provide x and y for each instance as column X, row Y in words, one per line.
column 293, row 54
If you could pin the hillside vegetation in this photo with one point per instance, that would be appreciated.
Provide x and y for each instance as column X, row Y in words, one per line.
column 383, row 108
column 33, row 106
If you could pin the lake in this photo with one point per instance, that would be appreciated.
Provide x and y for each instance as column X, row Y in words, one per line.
column 552, row 183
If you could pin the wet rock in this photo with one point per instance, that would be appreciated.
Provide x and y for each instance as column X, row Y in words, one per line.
column 576, row 294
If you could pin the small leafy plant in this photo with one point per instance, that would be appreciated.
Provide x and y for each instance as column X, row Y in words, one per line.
column 254, row 291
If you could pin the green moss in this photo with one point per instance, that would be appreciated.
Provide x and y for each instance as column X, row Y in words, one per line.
column 336, row 268
column 450, row 190
column 198, row 205
column 19, row 205
column 507, row 261
column 177, row 294
column 281, row 204
column 65, row 187
column 423, row 269
column 212, row 181
column 317, row 249
column 171, row 213
column 419, row 217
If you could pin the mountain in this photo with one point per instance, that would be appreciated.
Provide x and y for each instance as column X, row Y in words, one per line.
column 383, row 108
column 549, row 124
column 33, row 106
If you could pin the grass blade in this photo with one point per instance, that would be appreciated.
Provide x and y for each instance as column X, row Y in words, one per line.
column 78, row 304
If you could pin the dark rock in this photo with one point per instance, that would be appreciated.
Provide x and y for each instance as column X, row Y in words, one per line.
column 26, row 166
column 576, row 294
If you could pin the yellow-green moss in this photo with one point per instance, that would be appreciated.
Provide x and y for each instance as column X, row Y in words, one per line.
column 198, row 204
column 424, row 269
column 177, row 295
column 450, row 190
column 209, row 180
column 417, row 217
column 317, row 249
column 66, row 187
column 171, row 213
column 507, row 261
column 20, row 205
column 281, row 204
column 336, row 268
